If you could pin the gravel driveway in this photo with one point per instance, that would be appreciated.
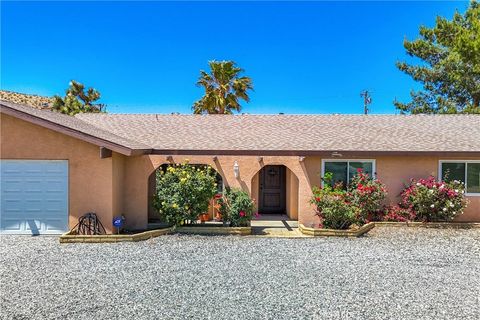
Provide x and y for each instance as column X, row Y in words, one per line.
column 392, row 273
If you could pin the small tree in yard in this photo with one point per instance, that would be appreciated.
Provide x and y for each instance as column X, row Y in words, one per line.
column 184, row 192
column 78, row 100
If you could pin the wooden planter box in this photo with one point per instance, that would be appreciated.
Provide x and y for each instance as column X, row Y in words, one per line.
column 214, row 229
column 439, row 225
column 70, row 237
column 317, row 232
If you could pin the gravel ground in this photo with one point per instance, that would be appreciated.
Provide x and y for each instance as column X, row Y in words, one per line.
column 392, row 273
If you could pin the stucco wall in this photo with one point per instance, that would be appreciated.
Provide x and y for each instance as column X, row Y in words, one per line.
column 301, row 177
column 90, row 178
column 397, row 171
column 138, row 169
column 118, row 178
column 119, row 184
column 292, row 195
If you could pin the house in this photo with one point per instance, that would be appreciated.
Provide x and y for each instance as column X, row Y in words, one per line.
column 55, row 168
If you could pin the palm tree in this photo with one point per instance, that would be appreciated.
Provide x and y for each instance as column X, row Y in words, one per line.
column 223, row 88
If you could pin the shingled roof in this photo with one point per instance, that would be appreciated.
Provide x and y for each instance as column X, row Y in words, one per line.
column 400, row 133
column 72, row 126
column 281, row 134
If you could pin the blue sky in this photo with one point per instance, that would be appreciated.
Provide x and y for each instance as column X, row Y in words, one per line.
column 308, row 57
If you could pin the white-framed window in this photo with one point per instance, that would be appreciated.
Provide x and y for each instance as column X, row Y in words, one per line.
column 343, row 170
column 467, row 171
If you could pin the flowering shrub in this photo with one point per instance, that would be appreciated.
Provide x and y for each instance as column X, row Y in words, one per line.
column 368, row 195
column 184, row 192
column 398, row 214
column 236, row 207
column 360, row 203
column 333, row 206
column 430, row 200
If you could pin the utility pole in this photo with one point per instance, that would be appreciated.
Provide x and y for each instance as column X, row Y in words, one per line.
column 367, row 99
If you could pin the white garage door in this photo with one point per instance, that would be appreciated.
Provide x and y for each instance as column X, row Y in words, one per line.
column 34, row 196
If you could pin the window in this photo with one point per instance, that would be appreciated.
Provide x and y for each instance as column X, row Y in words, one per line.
column 344, row 170
column 466, row 171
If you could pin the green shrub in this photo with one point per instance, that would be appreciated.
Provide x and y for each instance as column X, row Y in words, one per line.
column 184, row 192
column 333, row 206
column 236, row 207
column 397, row 214
column 431, row 201
column 368, row 195
column 360, row 203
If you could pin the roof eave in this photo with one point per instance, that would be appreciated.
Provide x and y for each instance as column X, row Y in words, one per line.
column 323, row 153
column 72, row 132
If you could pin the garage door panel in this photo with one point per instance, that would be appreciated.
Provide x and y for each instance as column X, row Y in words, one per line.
column 34, row 196
column 11, row 225
column 33, row 225
column 53, row 224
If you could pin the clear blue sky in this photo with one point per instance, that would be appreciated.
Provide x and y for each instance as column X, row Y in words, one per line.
column 309, row 57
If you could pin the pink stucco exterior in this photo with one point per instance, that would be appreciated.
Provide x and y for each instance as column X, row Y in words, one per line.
column 119, row 184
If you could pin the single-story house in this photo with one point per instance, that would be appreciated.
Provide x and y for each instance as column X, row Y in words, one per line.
column 55, row 168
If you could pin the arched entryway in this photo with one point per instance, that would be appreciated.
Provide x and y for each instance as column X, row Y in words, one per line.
column 277, row 191
column 153, row 215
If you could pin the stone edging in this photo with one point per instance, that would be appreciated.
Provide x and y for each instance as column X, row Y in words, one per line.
column 439, row 225
column 72, row 238
column 336, row 233
column 215, row 230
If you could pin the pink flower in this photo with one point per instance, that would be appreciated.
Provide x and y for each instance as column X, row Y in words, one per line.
column 242, row 214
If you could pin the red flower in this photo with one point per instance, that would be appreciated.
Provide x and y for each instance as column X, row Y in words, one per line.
column 359, row 170
column 242, row 214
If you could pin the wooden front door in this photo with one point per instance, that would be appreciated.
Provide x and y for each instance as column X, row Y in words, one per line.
column 272, row 190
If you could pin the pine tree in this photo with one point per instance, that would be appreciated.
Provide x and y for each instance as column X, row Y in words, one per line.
column 450, row 72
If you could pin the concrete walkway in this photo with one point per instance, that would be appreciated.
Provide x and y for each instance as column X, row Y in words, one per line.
column 276, row 226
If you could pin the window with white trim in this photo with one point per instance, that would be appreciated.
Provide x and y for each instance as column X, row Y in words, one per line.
column 344, row 170
column 467, row 172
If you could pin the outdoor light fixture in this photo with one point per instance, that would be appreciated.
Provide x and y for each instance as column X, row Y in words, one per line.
column 301, row 159
column 336, row 154
column 236, row 169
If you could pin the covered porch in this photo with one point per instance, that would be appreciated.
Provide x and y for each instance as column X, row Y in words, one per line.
column 280, row 186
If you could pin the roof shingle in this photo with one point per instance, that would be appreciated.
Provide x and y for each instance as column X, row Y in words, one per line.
column 74, row 124
column 410, row 133
column 271, row 133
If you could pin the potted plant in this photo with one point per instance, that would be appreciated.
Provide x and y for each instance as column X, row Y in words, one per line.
column 204, row 217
